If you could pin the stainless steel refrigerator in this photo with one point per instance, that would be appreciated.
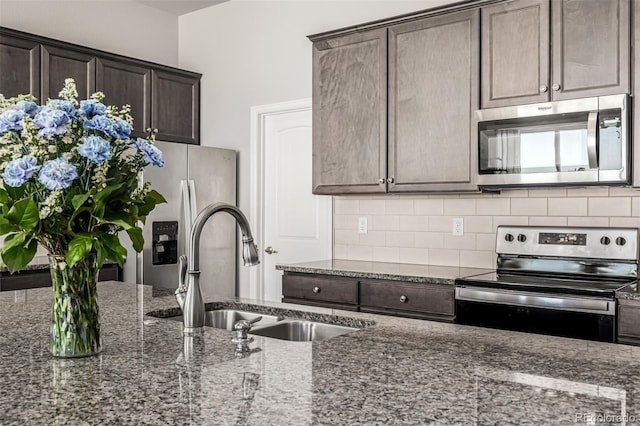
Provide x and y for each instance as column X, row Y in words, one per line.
column 192, row 178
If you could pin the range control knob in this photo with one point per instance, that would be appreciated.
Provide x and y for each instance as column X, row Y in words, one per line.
column 605, row 241
column 621, row 241
column 522, row 238
column 508, row 237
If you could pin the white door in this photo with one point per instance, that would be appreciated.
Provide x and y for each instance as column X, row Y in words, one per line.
column 297, row 225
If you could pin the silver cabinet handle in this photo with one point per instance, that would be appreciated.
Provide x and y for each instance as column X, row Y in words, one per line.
column 381, row 181
column 316, row 290
column 543, row 88
column 270, row 250
column 556, row 87
column 403, row 299
column 592, row 135
column 390, row 180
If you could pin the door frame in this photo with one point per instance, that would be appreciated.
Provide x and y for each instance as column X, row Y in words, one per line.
column 259, row 116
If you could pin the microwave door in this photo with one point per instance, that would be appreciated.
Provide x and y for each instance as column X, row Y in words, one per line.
column 611, row 148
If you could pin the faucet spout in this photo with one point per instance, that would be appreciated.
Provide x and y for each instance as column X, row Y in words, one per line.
column 193, row 311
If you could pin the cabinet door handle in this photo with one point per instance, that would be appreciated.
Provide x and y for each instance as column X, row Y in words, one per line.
column 543, row 88
column 403, row 299
column 556, row 87
column 381, row 181
column 390, row 180
column 270, row 250
column 316, row 290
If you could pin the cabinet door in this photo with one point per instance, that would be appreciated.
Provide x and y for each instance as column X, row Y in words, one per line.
column 629, row 321
column 19, row 67
column 319, row 288
column 350, row 113
column 175, row 106
column 59, row 64
column 124, row 83
column 590, row 48
column 433, row 91
column 515, row 53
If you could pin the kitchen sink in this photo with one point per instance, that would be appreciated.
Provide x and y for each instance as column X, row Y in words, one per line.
column 226, row 318
column 300, row 330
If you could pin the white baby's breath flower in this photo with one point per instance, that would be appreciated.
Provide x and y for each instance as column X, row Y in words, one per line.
column 97, row 96
column 45, row 212
column 52, row 149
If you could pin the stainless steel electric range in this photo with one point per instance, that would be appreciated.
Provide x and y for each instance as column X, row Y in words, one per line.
column 552, row 280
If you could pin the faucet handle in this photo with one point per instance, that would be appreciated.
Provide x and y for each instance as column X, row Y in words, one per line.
column 242, row 327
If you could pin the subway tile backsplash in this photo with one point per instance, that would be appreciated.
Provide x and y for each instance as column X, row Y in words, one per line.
column 418, row 228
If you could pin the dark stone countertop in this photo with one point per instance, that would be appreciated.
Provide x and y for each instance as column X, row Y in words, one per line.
column 383, row 270
column 398, row 371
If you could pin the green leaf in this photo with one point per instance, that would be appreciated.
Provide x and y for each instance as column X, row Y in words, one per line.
column 155, row 195
column 4, row 196
column 101, row 253
column 136, row 238
column 115, row 251
column 18, row 257
column 15, row 193
column 79, row 247
column 24, row 213
column 104, row 193
column 5, row 226
column 78, row 200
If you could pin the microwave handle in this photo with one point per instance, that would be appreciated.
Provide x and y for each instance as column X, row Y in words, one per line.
column 592, row 139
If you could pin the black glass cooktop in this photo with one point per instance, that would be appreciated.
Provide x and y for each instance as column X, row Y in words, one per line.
column 547, row 284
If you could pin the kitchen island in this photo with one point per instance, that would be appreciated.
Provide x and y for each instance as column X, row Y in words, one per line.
column 400, row 370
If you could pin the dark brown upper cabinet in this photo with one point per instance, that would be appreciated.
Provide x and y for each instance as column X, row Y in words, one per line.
column 59, row 64
column 392, row 107
column 591, row 40
column 163, row 99
column 586, row 41
column 175, row 106
column 350, row 113
column 19, row 66
column 127, row 84
column 433, row 91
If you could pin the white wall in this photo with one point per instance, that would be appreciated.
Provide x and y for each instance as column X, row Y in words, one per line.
column 122, row 27
column 256, row 53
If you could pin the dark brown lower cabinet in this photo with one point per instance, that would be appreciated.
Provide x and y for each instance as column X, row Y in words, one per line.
column 23, row 280
column 320, row 290
column 629, row 321
column 417, row 300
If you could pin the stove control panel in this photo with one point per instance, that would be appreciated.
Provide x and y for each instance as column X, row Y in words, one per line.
column 582, row 242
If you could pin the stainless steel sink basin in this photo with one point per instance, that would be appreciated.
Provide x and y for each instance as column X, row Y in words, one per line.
column 300, row 330
column 226, row 318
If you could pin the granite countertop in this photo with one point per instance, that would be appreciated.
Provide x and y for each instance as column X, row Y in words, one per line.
column 398, row 371
column 384, row 270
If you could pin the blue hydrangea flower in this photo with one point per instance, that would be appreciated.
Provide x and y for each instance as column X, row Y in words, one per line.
column 57, row 174
column 150, row 152
column 19, row 171
column 11, row 119
column 27, row 107
column 51, row 122
column 91, row 108
column 66, row 106
column 122, row 128
column 96, row 149
column 101, row 124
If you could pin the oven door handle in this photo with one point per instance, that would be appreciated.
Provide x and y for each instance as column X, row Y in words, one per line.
column 592, row 139
column 536, row 300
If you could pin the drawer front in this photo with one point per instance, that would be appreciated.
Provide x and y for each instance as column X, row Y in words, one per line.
column 423, row 298
column 328, row 289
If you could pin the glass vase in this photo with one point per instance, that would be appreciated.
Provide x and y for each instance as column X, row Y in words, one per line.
column 75, row 319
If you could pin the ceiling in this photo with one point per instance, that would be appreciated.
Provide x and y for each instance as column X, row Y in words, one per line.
column 179, row 7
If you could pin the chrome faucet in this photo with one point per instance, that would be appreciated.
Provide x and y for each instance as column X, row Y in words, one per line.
column 189, row 296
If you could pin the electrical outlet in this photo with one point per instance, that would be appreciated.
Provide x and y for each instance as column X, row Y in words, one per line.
column 362, row 225
column 458, row 226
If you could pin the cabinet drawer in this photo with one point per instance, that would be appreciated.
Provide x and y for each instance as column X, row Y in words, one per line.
column 326, row 289
column 422, row 298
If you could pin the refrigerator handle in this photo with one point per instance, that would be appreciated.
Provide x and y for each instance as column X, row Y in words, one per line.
column 194, row 202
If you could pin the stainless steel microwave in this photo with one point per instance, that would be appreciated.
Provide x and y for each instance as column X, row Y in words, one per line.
column 574, row 142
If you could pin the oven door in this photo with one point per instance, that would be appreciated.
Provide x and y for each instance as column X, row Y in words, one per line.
column 552, row 314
